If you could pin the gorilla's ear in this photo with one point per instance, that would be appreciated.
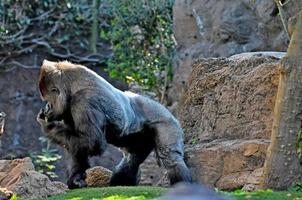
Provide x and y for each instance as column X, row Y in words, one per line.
column 48, row 66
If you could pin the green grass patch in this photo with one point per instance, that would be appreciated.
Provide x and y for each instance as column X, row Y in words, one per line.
column 147, row 192
column 291, row 194
column 112, row 193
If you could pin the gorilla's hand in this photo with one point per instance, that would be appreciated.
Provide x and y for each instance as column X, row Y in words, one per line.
column 45, row 115
column 41, row 117
column 77, row 180
column 49, row 113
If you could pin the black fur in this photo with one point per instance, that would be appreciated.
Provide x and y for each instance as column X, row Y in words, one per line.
column 86, row 112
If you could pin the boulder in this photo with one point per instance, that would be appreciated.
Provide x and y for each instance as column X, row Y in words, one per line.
column 227, row 116
column 32, row 184
column 19, row 177
column 98, row 176
column 228, row 164
column 223, row 28
column 231, row 98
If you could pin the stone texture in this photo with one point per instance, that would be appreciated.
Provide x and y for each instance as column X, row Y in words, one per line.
column 98, row 176
column 31, row 184
column 224, row 164
column 227, row 116
column 19, row 177
column 230, row 98
column 223, row 28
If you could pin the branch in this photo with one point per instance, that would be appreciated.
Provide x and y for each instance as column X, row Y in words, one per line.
column 282, row 16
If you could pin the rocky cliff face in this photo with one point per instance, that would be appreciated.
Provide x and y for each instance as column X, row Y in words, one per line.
column 227, row 118
column 223, row 28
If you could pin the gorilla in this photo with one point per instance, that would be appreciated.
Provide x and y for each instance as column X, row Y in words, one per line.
column 84, row 112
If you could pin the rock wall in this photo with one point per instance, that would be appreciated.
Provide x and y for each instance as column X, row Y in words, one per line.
column 227, row 118
column 218, row 28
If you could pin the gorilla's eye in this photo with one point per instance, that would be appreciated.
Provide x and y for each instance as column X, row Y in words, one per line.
column 55, row 90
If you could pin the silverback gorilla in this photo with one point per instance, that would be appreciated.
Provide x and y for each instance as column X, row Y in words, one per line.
column 84, row 113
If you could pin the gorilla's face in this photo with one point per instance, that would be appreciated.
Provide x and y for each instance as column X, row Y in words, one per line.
column 51, row 86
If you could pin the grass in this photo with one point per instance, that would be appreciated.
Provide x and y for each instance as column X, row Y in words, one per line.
column 265, row 195
column 112, row 193
column 147, row 192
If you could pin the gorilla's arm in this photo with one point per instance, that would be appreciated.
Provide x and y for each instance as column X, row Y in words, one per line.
column 88, row 123
column 56, row 130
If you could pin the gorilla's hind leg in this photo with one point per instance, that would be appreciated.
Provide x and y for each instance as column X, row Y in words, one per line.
column 127, row 172
column 179, row 172
column 169, row 151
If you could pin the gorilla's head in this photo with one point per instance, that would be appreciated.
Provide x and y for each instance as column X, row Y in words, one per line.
column 53, row 87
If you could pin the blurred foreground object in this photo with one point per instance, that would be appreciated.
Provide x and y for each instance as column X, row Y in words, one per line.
column 185, row 191
column 2, row 122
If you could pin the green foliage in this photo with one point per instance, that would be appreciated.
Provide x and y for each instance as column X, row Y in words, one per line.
column 60, row 28
column 193, row 140
column 140, row 32
column 73, row 15
column 299, row 143
column 44, row 160
column 142, row 42
column 14, row 197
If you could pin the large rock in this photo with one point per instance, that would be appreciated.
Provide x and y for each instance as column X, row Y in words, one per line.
column 227, row 117
column 228, row 164
column 231, row 98
column 223, row 28
column 19, row 177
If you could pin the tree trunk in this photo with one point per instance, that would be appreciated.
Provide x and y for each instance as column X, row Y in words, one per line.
column 282, row 167
column 95, row 25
